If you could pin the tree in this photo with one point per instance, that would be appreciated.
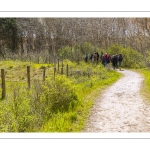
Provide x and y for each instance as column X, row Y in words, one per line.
column 8, row 33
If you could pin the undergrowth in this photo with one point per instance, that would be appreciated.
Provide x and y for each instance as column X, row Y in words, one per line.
column 59, row 104
column 145, row 72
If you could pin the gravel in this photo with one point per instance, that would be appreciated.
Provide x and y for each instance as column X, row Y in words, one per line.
column 120, row 108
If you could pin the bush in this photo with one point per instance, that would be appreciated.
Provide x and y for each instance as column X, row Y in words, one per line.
column 131, row 57
column 27, row 110
column 59, row 94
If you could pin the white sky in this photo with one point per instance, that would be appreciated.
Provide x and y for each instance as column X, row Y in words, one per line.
column 36, row 8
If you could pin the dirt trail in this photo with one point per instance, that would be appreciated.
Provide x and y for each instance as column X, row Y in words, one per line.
column 120, row 108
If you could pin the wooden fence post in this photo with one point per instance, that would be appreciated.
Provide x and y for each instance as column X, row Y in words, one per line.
column 88, row 72
column 54, row 72
column 44, row 72
column 58, row 65
column 67, row 70
column 28, row 76
column 62, row 71
column 3, row 83
column 49, row 60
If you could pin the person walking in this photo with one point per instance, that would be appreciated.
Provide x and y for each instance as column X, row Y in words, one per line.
column 114, row 61
column 106, row 57
column 103, row 59
column 86, row 58
column 97, row 57
column 91, row 57
column 120, row 58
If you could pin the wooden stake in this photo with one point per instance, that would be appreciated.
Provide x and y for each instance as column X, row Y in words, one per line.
column 67, row 70
column 54, row 73
column 44, row 72
column 28, row 76
column 3, row 83
column 58, row 65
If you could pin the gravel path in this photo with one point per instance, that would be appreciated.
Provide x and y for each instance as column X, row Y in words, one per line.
column 120, row 108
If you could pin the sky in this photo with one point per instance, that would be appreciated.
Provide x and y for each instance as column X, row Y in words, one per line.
column 74, row 8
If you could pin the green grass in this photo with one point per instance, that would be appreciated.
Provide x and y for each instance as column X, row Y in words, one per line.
column 60, row 105
column 74, row 121
column 145, row 90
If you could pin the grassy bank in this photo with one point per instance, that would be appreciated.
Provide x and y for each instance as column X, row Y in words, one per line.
column 59, row 105
column 74, row 120
column 146, row 83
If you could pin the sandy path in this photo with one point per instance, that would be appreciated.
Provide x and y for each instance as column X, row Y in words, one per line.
column 120, row 108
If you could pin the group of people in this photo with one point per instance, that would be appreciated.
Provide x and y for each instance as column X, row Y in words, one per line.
column 105, row 59
column 117, row 61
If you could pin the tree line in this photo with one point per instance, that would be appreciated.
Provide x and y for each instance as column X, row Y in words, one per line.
column 23, row 36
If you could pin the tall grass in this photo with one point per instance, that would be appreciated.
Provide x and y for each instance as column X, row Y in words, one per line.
column 59, row 105
column 145, row 90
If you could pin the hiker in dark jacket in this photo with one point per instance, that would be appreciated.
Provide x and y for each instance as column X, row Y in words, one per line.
column 114, row 61
column 97, row 56
column 91, row 57
column 108, row 59
column 86, row 58
column 120, row 58
column 103, row 59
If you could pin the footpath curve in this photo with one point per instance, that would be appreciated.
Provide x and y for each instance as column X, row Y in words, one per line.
column 120, row 108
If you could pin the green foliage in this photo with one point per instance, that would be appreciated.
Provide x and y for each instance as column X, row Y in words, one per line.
column 16, row 115
column 145, row 72
column 131, row 58
column 62, row 122
column 64, row 52
column 60, row 94
column 59, row 105
column 77, row 52
column 87, row 48
column 26, row 111
column 147, row 58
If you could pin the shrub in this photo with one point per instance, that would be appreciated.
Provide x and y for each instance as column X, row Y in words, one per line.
column 131, row 57
column 59, row 94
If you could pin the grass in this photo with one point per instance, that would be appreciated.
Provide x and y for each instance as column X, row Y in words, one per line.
column 146, row 83
column 74, row 121
column 60, row 105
